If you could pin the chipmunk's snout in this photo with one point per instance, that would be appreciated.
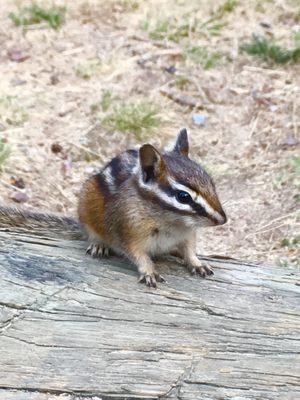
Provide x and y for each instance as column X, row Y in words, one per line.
column 222, row 218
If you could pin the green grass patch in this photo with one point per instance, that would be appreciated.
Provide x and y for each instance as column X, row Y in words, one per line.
column 11, row 111
column 88, row 68
column 175, row 30
column 225, row 8
column 106, row 100
column 34, row 14
column 292, row 242
column 4, row 153
column 289, row 176
column 294, row 162
column 104, row 104
column 170, row 29
column 296, row 38
column 137, row 118
column 288, row 263
column 270, row 51
column 181, row 82
column 127, row 5
column 203, row 56
column 294, row 175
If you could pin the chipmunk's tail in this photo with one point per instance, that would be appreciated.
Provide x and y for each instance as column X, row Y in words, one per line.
column 39, row 223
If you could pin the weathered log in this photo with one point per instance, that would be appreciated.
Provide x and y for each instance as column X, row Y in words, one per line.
column 76, row 328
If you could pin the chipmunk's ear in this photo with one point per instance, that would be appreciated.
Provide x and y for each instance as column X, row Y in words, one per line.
column 182, row 143
column 152, row 163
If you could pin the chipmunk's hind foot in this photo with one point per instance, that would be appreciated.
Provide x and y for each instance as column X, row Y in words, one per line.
column 98, row 250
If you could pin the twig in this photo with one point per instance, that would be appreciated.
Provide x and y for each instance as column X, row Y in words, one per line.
column 266, row 230
column 251, row 68
column 202, row 93
column 180, row 98
column 253, row 126
column 278, row 219
column 80, row 146
column 11, row 186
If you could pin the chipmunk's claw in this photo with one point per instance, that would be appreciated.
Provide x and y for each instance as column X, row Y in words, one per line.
column 203, row 270
column 151, row 279
column 97, row 250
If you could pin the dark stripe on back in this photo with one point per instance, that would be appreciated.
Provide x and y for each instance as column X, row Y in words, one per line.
column 103, row 186
column 133, row 157
column 133, row 153
column 116, row 170
column 121, row 166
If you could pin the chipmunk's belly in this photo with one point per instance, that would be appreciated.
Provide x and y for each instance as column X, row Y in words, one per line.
column 163, row 241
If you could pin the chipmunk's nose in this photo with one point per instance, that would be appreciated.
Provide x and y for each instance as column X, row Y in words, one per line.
column 224, row 218
column 221, row 218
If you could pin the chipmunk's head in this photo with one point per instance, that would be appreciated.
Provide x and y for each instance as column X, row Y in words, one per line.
column 177, row 184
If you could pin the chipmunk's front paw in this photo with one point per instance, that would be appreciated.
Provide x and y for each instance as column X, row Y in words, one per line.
column 202, row 269
column 151, row 279
column 98, row 250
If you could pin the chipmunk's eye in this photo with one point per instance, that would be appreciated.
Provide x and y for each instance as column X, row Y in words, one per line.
column 183, row 197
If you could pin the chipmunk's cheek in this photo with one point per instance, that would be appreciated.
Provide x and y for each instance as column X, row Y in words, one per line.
column 203, row 222
column 191, row 221
column 211, row 222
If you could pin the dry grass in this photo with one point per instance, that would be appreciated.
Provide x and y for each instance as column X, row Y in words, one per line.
column 114, row 55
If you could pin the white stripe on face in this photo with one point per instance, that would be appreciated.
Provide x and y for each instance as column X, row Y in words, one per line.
column 210, row 211
column 198, row 199
column 154, row 188
column 178, row 186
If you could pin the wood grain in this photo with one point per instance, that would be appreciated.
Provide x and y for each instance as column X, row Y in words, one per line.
column 76, row 328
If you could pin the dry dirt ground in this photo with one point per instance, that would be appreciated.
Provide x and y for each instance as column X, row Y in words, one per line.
column 64, row 88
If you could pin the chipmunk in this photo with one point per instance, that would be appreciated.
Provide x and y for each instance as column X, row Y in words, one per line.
column 145, row 203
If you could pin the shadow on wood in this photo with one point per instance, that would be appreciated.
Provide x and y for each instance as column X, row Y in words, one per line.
column 75, row 328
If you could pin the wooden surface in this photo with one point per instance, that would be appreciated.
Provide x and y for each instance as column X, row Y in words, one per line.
column 76, row 328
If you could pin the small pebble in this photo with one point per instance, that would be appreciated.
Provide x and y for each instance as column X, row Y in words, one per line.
column 56, row 148
column 19, row 197
column 198, row 119
column 171, row 70
column 17, row 55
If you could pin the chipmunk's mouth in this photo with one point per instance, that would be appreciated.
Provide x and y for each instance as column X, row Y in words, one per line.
column 219, row 218
column 197, row 220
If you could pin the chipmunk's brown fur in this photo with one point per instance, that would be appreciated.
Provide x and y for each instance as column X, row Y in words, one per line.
column 145, row 203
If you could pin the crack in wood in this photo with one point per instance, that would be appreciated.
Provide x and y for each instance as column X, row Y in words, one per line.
column 176, row 387
column 47, row 346
column 13, row 306
column 80, row 395
column 21, row 315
